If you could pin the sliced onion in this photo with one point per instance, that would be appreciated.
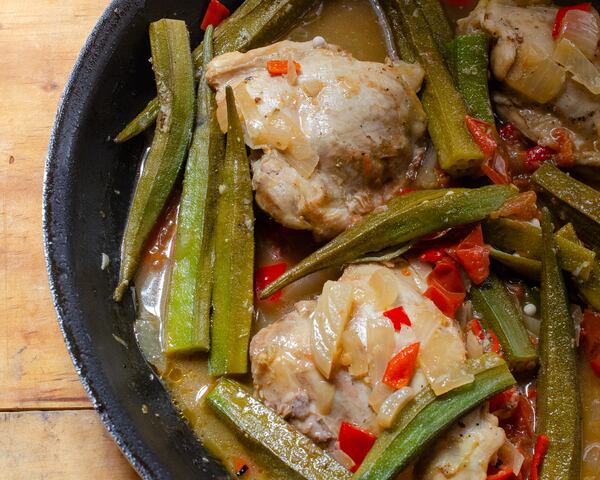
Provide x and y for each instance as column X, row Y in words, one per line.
column 354, row 354
column 583, row 71
column 323, row 392
column 380, row 347
column 343, row 459
column 393, row 405
column 292, row 76
column 385, row 288
column 535, row 76
column 511, row 457
column 328, row 322
column 474, row 346
column 582, row 29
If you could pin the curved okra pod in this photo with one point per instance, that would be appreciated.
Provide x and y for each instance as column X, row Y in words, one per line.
column 558, row 404
column 187, row 320
column 172, row 63
column 254, row 23
column 263, row 426
column 427, row 416
column 499, row 312
column 233, row 294
column 406, row 218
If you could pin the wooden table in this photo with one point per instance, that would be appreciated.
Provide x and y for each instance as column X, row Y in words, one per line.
column 47, row 426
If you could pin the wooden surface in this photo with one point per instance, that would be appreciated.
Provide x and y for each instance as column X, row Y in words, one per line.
column 47, row 427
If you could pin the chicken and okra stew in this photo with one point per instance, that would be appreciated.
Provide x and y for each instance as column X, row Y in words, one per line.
column 365, row 237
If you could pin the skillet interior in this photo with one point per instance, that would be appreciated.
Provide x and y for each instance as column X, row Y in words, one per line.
column 88, row 184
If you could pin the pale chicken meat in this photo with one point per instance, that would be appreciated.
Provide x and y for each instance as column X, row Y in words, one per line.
column 333, row 137
column 323, row 363
column 526, row 32
column 466, row 450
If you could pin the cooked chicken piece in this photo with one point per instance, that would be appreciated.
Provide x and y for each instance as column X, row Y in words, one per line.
column 334, row 139
column 575, row 108
column 465, row 452
column 289, row 358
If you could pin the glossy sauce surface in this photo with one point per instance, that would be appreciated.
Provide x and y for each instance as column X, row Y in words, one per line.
column 351, row 24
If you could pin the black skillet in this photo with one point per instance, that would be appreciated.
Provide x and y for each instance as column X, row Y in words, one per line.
column 87, row 187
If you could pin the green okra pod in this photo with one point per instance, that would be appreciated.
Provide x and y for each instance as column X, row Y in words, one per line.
column 187, row 320
column 253, row 24
column 438, row 24
column 527, row 267
column 233, row 295
column 470, row 60
column 558, row 403
column 526, row 239
column 263, row 426
column 428, row 416
column 499, row 313
column 172, row 63
column 406, row 218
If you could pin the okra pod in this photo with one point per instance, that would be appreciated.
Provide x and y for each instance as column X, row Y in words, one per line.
column 558, row 403
column 428, row 416
column 187, row 321
column 527, row 267
column 457, row 152
column 438, row 24
column 470, row 60
column 499, row 313
column 234, row 256
column 252, row 25
column 263, row 426
column 173, row 69
column 526, row 240
column 406, row 218
column 572, row 200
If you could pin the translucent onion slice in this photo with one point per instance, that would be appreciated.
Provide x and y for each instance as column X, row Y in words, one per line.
column 354, row 354
column 329, row 320
column 582, row 29
column 511, row 457
column 583, row 71
column 393, row 405
column 385, row 288
column 381, row 346
column 535, row 76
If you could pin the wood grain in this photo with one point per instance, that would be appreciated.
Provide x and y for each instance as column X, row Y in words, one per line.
column 39, row 42
column 68, row 445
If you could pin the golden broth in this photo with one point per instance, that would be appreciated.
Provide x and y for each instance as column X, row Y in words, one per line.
column 352, row 25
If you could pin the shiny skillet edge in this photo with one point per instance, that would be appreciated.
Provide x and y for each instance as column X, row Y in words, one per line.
column 97, row 50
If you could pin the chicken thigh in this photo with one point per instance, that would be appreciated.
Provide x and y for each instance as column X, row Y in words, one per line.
column 334, row 136
column 523, row 34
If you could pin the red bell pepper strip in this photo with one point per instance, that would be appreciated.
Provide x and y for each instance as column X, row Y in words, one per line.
column 474, row 256
column 355, row 443
column 398, row 317
column 477, row 329
column 432, row 255
column 503, row 473
column 494, row 343
column 560, row 16
column 401, row 368
column 482, row 135
column 446, row 287
column 215, row 14
column 280, row 67
column 541, row 446
column 267, row 274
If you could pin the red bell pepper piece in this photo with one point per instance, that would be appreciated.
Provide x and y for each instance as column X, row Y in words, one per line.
column 500, row 400
column 280, row 67
column 494, row 343
column 398, row 317
column 482, row 135
column 267, row 274
column 536, row 156
column 446, row 287
column 432, row 255
column 477, row 329
column 401, row 368
column 541, row 447
column 355, row 443
column 503, row 473
column 560, row 16
column 474, row 256
column 215, row 14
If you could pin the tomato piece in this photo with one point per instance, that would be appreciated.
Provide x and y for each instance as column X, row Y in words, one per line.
column 446, row 287
column 267, row 274
column 560, row 16
column 510, row 133
column 474, row 256
column 401, row 368
column 522, row 206
column 215, row 14
column 482, row 135
column 590, row 332
column 476, row 329
column 503, row 399
column 398, row 317
column 280, row 67
column 355, row 443
column 536, row 156
column 503, row 473
column 541, row 447
column 432, row 255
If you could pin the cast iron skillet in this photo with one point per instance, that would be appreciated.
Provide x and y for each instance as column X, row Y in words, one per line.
column 88, row 185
